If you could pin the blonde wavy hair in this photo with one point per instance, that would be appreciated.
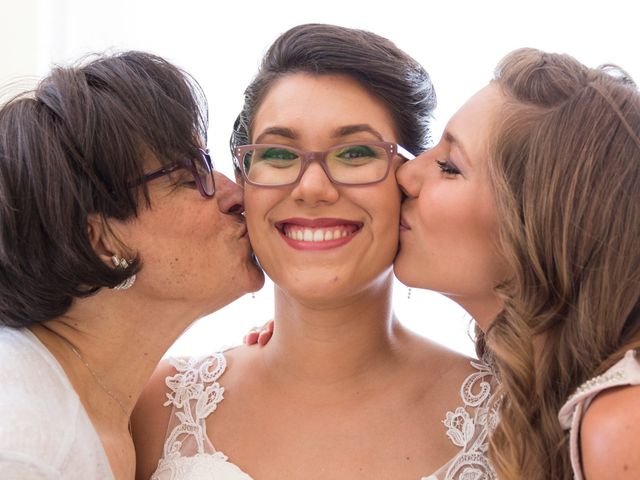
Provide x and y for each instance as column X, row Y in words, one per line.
column 565, row 169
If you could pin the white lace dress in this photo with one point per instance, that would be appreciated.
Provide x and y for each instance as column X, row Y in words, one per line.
column 195, row 394
column 625, row 372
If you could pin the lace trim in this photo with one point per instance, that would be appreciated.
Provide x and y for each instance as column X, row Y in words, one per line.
column 196, row 380
column 468, row 427
column 195, row 394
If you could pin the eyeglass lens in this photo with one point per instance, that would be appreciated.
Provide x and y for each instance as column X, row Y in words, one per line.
column 204, row 171
column 350, row 164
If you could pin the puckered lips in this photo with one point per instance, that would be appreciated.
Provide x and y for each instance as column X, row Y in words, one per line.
column 404, row 226
column 317, row 233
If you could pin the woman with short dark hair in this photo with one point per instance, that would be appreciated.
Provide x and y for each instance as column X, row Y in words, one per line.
column 115, row 235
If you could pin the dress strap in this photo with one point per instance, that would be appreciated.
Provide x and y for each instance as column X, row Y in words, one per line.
column 194, row 395
column 625, row 372
column 469, row 426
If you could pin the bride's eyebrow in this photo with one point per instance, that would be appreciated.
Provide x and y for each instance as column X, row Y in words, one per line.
column 277, row 131
column 350, row 129
column 343, row 131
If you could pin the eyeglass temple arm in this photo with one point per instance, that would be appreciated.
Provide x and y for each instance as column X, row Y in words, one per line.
column 404, row 153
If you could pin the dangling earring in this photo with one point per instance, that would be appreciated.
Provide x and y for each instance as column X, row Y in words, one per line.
column 253, row 295
column 123, row 264
column 409, row 293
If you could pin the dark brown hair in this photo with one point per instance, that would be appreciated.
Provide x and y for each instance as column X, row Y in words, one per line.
column 375, row 62
column 70, row 149
column 565, row 169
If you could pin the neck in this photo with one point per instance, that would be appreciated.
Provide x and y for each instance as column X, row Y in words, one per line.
column 483, row 310
column 108, row 347
column 337, row 344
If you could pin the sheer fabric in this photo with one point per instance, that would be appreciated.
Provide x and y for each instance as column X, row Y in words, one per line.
column 45, row 433
column 625, row 372
column 195, row 394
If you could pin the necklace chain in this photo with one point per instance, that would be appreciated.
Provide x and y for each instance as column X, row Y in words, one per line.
column 99, row 382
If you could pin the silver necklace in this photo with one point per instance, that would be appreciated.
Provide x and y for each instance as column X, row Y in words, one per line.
column 99, row 382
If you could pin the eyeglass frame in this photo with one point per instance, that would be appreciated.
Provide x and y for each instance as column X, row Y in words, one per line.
column 188, row 165
column 392, row 150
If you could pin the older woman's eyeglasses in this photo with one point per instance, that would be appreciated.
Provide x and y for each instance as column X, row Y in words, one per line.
column 349, row 164
column 201, row 167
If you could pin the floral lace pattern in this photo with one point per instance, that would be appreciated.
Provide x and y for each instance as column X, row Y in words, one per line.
column 468, row 427
column 189, row 384
column 195, row 394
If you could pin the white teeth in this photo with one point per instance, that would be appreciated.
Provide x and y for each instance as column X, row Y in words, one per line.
column 316, row 235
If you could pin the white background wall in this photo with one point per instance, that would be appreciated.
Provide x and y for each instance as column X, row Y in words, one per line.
column 221, row 43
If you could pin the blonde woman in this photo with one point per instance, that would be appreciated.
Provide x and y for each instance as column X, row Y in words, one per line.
column 527, row 213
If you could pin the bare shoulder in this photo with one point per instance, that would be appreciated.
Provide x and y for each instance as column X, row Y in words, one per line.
column 242, row 362
column 609, row 433
column 243, row 354
column 439, row 371
column 445, row 364
column 150, row 420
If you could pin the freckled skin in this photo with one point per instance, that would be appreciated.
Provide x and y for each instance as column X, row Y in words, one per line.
column 185, row 240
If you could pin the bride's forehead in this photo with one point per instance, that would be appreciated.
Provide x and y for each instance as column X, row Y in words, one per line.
column 327, row 106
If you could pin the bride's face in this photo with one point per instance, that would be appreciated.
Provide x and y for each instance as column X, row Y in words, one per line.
column 317, row 239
